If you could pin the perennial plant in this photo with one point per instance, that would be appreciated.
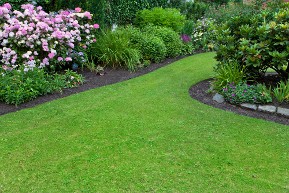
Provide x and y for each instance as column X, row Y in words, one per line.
column 36, row 39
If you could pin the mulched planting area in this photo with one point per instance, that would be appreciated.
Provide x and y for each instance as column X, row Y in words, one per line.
column 92, row 80
column 199, row 92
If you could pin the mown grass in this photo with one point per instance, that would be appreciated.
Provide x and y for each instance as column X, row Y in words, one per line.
column 145, row 134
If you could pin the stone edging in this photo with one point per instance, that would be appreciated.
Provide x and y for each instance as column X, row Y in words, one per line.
column 267, row 108
column 256, row 107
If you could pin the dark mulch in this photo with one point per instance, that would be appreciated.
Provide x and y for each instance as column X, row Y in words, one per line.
column 92, row 80
column 111, row 76
column 199, row 92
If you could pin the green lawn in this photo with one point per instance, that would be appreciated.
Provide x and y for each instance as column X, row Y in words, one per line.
column 142, row 135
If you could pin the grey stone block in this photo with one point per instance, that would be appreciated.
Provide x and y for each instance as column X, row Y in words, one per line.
column 218, row 98
column 283, row 111
column 267, row 108
column 249, row 106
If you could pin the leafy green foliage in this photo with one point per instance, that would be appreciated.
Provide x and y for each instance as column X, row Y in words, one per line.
column 106, row 13
column 111, row 133
column 152, row 48
column 188, row 27
column 113, row 49
column 257, row 42
column 170, row 38
column 17, row 86
column 244, row 93
column 281, row 92
column 194, row 10
column 71, row 79
column 223, row 13
column 226, row 74
column 14, row 3
column 168, row 17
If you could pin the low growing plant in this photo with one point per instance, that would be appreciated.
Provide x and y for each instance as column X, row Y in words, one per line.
column 245, row 93
column 19, row 86
column 188, row 47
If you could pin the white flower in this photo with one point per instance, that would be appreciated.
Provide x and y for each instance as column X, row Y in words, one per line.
column 5, row 41
column 53, row 51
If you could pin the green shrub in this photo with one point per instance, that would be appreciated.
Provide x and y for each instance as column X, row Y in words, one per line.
column 168, row 17
column 257, row 42
column 121, row 12
column 244, row 93
column 194, row 10
column 113, row 49
column 17, row 86
column 223, row 13
column 220, row 2
column 170, row 38
column 152, row 48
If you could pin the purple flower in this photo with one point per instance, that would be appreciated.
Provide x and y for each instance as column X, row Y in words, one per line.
column 186, row 38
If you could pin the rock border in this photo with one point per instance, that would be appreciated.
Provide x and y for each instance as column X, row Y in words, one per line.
column 267, row 108
column 257, row 107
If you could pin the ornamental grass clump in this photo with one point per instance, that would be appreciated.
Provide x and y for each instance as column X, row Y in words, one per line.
column 245, row 93
column 281, row 92
column 36, row 39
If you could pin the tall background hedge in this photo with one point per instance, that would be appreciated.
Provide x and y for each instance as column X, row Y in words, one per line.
column 107, row 12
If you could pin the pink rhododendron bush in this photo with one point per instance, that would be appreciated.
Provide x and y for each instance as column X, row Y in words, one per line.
column 32, row 38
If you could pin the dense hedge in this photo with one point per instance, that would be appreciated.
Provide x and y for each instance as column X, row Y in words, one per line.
column 113, row 11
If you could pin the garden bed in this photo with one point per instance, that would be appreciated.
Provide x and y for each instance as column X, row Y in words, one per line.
column 92, row 80
column 199, row 92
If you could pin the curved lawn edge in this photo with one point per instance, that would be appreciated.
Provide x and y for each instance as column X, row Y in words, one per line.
column 144, row 134
column 199, row 92
column 92, row 81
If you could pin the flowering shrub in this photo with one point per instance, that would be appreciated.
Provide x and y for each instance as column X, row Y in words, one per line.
column 203, row 34
column 245, row 93
column 187, row 47
column 34, row 38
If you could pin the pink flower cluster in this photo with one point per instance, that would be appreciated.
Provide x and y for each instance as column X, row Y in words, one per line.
column 34, row 38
